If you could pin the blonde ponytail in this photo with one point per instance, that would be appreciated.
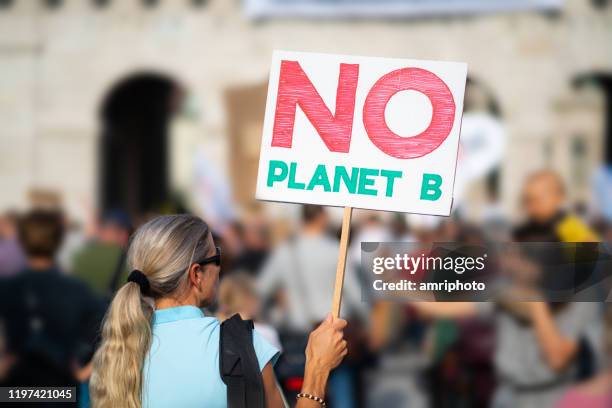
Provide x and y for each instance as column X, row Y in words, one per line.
column 116, row 379
column 163, row 250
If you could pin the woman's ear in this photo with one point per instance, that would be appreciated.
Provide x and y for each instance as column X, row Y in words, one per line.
column 195, row 278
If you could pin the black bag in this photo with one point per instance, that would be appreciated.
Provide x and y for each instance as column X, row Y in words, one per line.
column 238, row 364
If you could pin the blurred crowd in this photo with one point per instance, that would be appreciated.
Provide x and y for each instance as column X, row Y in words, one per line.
column 57, row 279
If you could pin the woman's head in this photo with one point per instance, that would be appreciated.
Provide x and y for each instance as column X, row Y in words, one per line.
column 169, row 251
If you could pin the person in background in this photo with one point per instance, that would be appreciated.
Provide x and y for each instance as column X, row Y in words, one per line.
column 548, row 220
column 302, row 266
column 51, row 319
column 101, row 262
column 255, row 239
column 12, row 258
column 537, row 343
column 237, row 294
column 597, row 392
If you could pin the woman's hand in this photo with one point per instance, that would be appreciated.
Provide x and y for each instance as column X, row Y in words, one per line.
column 326, row 345
column 325, row 350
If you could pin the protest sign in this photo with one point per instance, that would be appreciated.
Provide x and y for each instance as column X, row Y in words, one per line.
column 370, row 133
column 375, row 133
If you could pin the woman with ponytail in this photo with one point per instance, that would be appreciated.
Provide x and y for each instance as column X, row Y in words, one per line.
column 159, row 350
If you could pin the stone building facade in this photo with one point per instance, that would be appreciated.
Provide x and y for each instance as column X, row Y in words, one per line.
column 60, row 59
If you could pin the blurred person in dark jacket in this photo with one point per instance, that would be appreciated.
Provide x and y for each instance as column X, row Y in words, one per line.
column 101, row 261
column 12, row 258
column 51, row 320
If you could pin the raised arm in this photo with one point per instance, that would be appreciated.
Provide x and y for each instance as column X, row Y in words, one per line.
column 557, row 349
column 325, row 351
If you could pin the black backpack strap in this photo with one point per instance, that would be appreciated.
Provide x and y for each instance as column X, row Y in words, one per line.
column 238, row 364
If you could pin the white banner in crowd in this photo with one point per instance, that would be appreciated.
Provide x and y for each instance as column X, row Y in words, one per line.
column 361, row 132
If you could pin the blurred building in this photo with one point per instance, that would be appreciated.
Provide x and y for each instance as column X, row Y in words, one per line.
column 116, row 102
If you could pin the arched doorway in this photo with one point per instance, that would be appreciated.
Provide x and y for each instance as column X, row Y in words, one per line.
column 592, row 148
column 134, row 168
column 603, row 81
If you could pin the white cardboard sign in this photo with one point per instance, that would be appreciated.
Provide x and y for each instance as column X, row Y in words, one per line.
column 361, row 132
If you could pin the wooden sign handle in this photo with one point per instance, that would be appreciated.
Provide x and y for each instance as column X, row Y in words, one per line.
column 340, row 268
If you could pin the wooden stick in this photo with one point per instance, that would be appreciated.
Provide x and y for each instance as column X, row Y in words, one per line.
column 344, row 239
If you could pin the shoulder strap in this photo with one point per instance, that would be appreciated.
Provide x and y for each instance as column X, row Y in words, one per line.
column 238, row 364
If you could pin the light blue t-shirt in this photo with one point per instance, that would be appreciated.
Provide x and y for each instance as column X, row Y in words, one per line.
column 182, row 366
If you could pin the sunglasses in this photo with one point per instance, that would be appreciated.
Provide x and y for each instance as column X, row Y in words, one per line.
column 216, row 259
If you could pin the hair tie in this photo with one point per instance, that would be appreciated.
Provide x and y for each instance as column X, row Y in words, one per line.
column 141, row 279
